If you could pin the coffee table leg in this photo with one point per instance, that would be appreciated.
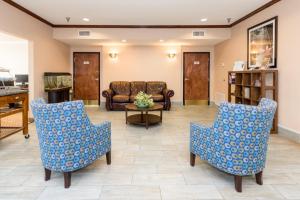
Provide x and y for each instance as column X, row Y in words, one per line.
column 126, row 115
column 142, row 116
column 161, row 113
column 147, row 120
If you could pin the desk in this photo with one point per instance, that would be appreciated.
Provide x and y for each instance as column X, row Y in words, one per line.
column 20, row 96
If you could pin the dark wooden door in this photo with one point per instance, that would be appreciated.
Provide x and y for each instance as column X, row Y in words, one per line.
column 196, row 78
column 87, row 77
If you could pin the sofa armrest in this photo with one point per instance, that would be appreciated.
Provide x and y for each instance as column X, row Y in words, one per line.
column 167, row 96
column 168, row 93
column 108, row 94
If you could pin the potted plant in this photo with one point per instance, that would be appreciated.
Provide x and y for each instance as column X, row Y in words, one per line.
column 143, row 100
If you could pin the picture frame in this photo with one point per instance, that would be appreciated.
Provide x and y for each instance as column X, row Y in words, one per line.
column 239, row 66
column 262, row 45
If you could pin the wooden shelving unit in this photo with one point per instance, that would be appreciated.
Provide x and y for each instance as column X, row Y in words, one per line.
column 248, row 87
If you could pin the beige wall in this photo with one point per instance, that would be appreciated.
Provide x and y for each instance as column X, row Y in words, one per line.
column 46, row 54
column 144, row 63
column 14, row 56
column 151, row 63
column 288, row 58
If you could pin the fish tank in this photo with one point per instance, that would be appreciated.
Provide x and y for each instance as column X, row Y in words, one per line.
column 57, row 80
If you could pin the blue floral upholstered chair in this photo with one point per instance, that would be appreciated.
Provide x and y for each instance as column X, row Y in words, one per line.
column 68, row 140
column 237, row 142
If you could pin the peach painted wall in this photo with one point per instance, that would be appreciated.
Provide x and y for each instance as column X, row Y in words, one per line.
column 14, row 56
column 46, row 53
column 288, row 58
column 142, row 63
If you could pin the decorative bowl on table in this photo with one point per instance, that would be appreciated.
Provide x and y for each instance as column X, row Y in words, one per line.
column 143, row 100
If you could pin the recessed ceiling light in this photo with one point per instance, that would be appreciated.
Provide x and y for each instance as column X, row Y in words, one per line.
column 204, row 20
column 124, row 40
column 86, row 19
column 161, row 40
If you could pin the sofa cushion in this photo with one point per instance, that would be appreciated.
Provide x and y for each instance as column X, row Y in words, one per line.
column 121, row 98
column 120, row 87
column 155, row 87
column 137, row 86
column 157, row 97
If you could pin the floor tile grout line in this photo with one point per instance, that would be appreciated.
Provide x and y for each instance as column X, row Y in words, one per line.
column 160, row 192
column 277, row 191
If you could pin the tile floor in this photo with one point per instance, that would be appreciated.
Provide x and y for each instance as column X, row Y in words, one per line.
column 146, row 164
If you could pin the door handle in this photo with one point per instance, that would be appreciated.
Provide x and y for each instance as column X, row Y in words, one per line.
column 97, row 79
column 186, row 79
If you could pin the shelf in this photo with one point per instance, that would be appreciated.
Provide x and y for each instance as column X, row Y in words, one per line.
column 9, row 111
column 270, row 88
column 255, row 100
column 267, row 87
column 255, row 71
column 236, row 84
column 261, row 83
column 238, row 96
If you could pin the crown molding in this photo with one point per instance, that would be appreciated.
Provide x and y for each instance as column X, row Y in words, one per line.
column 258, row 10
column 263, row 7
column 12, row 3
column 139, row 26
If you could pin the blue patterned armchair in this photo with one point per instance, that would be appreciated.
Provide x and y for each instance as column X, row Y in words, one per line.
column 68, row 140
column 237, row 142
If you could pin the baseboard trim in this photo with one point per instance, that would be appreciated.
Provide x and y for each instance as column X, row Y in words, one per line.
column 289, row 133
column 212, row 103
column 180, row 103
column 177, row 103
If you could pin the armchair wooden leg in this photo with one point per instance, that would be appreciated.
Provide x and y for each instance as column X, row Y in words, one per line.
column 258, row 178
column 67, row 177
column 192, row 159
column 108, row 157
column 238, row 183
column 47, row 174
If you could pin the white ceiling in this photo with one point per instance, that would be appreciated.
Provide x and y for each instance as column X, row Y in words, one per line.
column 141, row 12
column 170, row 37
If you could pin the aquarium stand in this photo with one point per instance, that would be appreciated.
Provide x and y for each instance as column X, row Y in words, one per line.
column 57, row 95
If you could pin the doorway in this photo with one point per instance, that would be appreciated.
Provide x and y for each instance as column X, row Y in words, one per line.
column 196, row 72
column 86, row 77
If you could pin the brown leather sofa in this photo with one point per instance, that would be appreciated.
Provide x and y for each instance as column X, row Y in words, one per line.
column 121, row 93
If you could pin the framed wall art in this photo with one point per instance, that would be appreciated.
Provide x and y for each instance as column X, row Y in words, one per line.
column 262, row 45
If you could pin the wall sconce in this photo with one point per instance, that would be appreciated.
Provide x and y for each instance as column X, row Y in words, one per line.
column 113, row 55
column 171, row 55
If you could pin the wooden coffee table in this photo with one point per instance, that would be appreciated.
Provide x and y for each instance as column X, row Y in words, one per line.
column 144, row 118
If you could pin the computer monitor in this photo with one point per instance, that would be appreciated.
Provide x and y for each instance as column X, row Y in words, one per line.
column 21, row 78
